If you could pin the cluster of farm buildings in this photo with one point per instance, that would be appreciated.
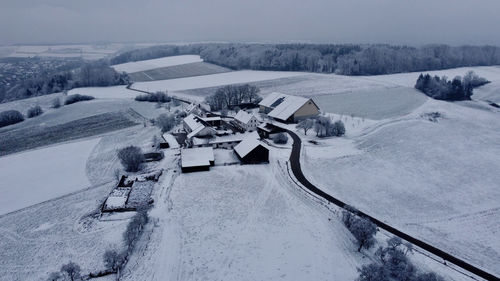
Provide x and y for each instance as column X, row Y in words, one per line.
column 245, row 133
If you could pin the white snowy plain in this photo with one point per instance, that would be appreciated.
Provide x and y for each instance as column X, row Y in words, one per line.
column 35, row 176
column 137, row 66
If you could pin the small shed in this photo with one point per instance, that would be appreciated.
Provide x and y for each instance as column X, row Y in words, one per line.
column 252, row 151
column 197, row 159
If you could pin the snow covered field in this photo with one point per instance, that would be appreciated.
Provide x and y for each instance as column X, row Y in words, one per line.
column 112, row 92
column 227, row 228
column 38, row 240
column 234, row 77
column 434, row 180
column 137, row 66
column 35, row 176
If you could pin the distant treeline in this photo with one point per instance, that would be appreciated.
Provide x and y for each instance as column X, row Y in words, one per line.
column 347, row 59
column 88, row 74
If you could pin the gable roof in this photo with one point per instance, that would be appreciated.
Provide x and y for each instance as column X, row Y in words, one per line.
column 199, row 129
column 243, row 117
column 288, row 107
column 195, row 157
column 271, row 99
column 247, row 145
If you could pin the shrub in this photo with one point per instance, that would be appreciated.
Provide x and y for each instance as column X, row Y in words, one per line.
column 280, row 138
column 71, row 271
column 56, row 103
column 135, row 228
column 325, row 128
column 337, row 129
column 166, row 122
column 113, row 260
column 159, row 97
column 34, row 111
column 131, row 158
column 77, row 98
column 10, row 117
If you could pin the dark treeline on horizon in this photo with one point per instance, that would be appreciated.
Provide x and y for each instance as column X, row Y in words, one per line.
column 346, row 59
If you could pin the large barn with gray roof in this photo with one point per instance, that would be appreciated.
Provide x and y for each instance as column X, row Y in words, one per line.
column 287, row 108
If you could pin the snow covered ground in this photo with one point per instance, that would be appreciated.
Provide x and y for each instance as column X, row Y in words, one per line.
column 113, row 92
column 137, row 66
column 436, row 180
column 35, row 176
column 235, row 77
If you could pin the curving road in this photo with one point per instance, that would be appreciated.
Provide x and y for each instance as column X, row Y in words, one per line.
column 297, row 171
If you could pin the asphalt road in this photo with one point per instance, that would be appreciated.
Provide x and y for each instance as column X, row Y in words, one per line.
column 297, row 171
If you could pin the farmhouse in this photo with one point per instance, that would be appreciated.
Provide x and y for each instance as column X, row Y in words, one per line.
column 196, row 127
column 246, row 121
column 252, row 151
column 197, row 159
column 287, row 108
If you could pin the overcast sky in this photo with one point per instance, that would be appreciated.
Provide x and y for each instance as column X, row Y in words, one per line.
column 412, row 22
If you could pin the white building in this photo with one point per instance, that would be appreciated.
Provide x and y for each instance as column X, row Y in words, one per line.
column 287, row 108
column 246, row 121
column 196, row 127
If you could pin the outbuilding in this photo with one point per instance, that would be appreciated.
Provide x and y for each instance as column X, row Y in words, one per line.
column 197, row 159
column 252, row 151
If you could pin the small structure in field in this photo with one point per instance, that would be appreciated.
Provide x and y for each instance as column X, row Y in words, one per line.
column 252, row 151
column 153, row 156
column 169, row 141
column 287, row 108
column 246, row 121
column 197, row 159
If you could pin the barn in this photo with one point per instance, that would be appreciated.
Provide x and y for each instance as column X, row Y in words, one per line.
column 287, row 108
column 197, row 159
column 252, row 151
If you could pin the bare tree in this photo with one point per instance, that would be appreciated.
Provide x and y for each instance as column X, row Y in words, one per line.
column 166, row 122
column 305, row 125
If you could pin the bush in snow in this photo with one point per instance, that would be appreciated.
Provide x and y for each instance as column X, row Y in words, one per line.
column 131, row 158
column 34, row 111
column 135, row 228
column 77, row 98
column 113, row 260
column 71, row 271
column 10, row 117
column 393, row 264
column 160, row 97
column 56, row 103
column 166, row 122
column 280, row 138
column 337, row 129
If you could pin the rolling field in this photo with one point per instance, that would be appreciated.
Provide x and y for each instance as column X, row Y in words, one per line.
column 36, row 136
column 137, row 66
column 178, row 71
column 35, row 176
column 38, row 240
column 373, row 104
column 435, row 180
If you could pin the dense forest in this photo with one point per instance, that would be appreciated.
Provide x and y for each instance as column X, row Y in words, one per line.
column 346, row 59
column 87, row 74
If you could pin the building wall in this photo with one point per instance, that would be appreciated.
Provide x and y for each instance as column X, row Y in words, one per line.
column 264, row 109
column 259, row 155
column 307, row 110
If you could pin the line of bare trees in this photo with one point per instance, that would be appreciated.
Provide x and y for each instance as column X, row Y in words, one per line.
column 230, row 96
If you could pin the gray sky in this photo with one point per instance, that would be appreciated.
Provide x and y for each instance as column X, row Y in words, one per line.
column 339, row 21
